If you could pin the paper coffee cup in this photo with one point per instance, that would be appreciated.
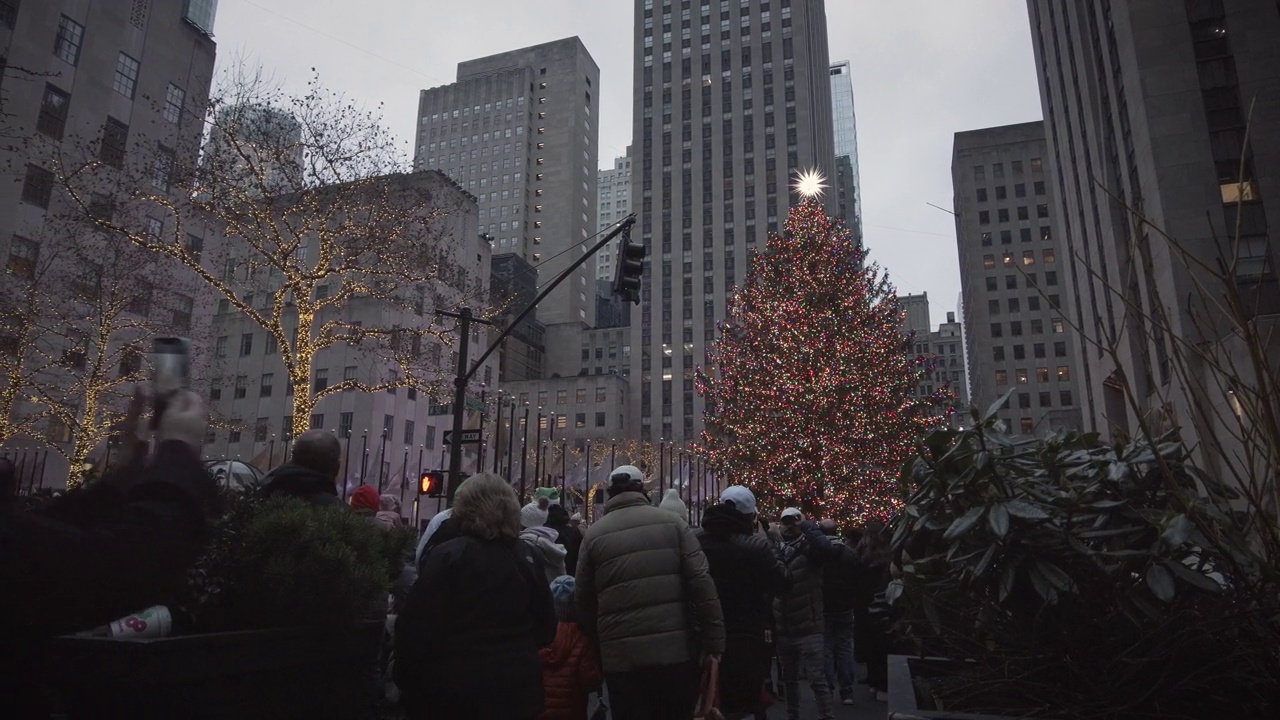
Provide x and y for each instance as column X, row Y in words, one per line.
column 154, row 622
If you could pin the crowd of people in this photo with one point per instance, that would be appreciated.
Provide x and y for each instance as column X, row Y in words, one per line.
column 504, row 612
column 517, row 613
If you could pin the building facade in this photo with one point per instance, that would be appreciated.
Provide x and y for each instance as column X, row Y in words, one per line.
column 1012, row 280
column 378, row 430
column 943, row 349
column 83, row 82
column 613, row 192
column 1147, row 105
column 514, row 284
column 847, row 183
column 730, row 100
column 520, row 131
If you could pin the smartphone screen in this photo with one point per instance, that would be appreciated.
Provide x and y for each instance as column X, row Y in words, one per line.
column 171, row 360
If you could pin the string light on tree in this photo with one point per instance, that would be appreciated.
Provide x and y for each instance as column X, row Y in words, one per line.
column 811, row 393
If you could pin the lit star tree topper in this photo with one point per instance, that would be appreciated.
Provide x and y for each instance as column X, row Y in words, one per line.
column 810, row 183
column 811, row 390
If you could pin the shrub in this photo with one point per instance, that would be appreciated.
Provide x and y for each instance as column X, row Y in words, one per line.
column 1084, row 580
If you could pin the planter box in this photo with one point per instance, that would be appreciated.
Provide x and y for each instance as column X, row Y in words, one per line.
column 905, row 704
column 285, row 673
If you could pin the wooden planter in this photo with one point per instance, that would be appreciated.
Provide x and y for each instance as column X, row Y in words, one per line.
column 905, row 703
column 284, row 673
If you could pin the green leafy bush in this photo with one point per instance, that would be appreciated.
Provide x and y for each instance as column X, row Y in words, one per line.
column 1084, row 580
column 283, row 562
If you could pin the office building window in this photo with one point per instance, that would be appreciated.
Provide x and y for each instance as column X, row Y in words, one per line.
column 345, row 421
column 260, row 430
column 126, row 78
column 1064, row 373
column 174, row 97
column 599, row 419
column 67, row 44
column 581, row 396
column 23, row 254
column 317, row 421
column 1028, row 426
column 580, row 420
column 409, row 431
column 115, row 136
column 1023, row 376
column 53, row 112
column 241, row 387
column 246, row 344
column 1042, row 374
column 321, row 380
column 37, row 186
column 1002, row 378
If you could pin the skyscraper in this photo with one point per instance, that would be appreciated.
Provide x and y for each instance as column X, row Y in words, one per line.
column 519, row 130
column 731, row 98
column 613, row 190
column 848, row 185
column 1012, row 281
column 1147, row 104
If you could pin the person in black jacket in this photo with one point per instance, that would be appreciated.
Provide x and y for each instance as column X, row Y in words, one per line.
column 102, row 551
column 567, row 535
column 311, row 472
column 839, row 590
column 747, row 573
column 467, row 641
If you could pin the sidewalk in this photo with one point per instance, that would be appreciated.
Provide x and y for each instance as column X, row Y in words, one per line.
column 865, row 707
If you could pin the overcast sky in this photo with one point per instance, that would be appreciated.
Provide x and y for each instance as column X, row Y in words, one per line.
column 922, row 70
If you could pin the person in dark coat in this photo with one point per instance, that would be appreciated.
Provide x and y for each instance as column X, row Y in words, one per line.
column 747, row 573
column 8, row 483
column 312, row 471
column 467, row 641
column 798, row 613
column 871, row 642
column 840, row 578
column 101, row 551
column 567, row 535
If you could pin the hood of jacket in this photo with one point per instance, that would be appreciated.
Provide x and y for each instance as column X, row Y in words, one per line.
column 722, row 519
column 557, row 517
column 544, row 539
column 298, row 481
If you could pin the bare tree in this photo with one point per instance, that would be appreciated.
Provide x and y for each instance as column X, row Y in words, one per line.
column 300, row 218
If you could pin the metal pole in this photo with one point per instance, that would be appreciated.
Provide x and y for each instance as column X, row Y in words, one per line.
column 511, row 439
column 537, row 453
column 564, row 467
column 459, row 402
column 545, row 470
column 551, row 427
column 586, row 475
column 484, row 410
column 382, row 460
column 524, row 454
column 364, row 456
column 497, row 434
column 613, row 455
column 346, row 469
column 417, row 497
column 662, row 465
column 404, row 470
column 271, row 454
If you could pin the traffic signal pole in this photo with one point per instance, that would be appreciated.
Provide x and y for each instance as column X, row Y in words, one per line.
column 465, row 318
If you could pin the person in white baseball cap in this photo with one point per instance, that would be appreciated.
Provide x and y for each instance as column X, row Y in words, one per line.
column 798, row 614
column 747, row 572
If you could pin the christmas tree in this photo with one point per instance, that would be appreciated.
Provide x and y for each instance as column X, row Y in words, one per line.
column 811, row 393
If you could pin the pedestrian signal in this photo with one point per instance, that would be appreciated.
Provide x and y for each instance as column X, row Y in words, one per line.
column 431, row 484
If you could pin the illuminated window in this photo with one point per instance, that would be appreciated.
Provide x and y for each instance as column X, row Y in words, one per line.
column 1008, row 259
column 1042, row 374
column 1049, row 257
column 1029, row 257
column 1028, row 426
column 989, row 261
column 1002, row 378
column 1238, row 192
column 1064, row 373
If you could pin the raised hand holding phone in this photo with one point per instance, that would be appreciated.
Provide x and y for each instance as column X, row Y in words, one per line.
column 171, row 372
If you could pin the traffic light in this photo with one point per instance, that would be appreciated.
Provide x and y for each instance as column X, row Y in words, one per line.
column 626, row 280
column 431, row 484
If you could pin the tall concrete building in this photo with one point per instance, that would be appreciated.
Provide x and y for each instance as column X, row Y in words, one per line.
column 944, row 348
column 613, row 193
column 1147, row 103
column 114, row 82
column 520, row 131
column 847, row 183
column 731, row 99
column 1012, row 280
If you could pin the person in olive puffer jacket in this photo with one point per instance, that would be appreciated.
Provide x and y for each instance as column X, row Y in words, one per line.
column 799, row 615
column 644, row 593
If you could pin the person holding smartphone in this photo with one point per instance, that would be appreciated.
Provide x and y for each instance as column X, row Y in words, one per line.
column 103, row 550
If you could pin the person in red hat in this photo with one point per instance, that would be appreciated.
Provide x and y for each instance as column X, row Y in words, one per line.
column 365, row 500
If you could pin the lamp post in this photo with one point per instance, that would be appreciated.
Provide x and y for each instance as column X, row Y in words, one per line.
column 613, row 454
column 537, row 452
column 497, row 434
column 524, row 454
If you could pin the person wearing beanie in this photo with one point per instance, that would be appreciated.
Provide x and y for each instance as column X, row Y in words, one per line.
column 671, row 502
column 365, row 500
column 570, row 669
column 389, row 512
column 840, row 580
column 748, row 574
column 645, row 596
column 542, row 540
column 551, row 494
column 535, row 513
